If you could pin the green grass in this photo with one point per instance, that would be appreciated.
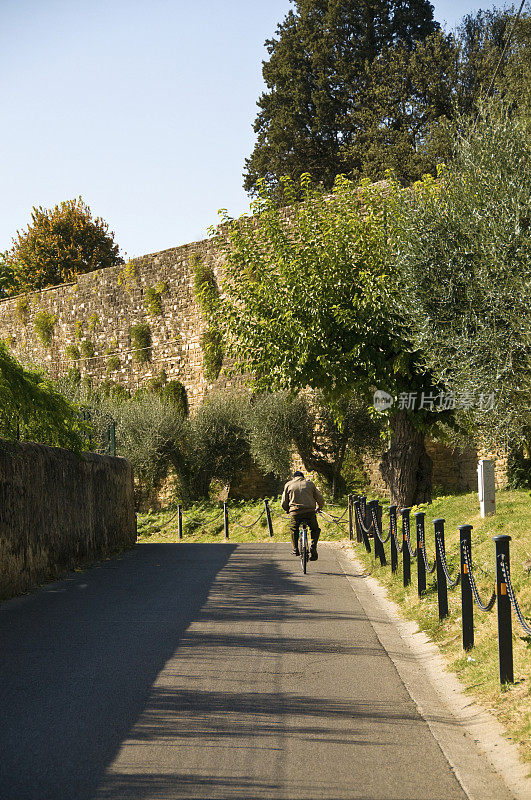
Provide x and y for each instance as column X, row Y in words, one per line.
column 477, row 669
column 203, row 522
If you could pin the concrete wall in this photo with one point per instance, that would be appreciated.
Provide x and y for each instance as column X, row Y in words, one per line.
column 58, row 511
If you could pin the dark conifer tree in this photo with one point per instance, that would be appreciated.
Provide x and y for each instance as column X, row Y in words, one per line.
column 318, row 79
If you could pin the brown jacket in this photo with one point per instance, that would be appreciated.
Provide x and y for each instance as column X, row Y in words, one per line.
column 301, row 496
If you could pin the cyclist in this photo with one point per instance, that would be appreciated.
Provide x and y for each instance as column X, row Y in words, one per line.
column 301, row 498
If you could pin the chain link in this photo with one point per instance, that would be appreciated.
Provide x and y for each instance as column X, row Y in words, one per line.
column 506, row 574
column 405, row 527
column 241, row 524
column 442, row 556
column 398, row 546
column 429, row 570
column 203, row 521
column 483, row 606
column 362, row 524
column 376, row 528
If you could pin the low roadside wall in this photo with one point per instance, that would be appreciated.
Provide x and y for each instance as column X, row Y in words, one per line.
column 58, row 511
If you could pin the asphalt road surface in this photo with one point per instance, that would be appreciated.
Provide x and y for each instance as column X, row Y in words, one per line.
column 207, row 671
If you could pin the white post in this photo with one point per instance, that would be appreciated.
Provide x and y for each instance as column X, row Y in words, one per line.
column 486, row 487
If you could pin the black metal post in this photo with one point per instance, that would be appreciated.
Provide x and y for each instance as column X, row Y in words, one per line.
column 359, row 536
column 505, row 630
column 226, row 520
column 406, row 558
column 371, row 509
column 268, row 517
column 179, row 522
column 350, row 525
column 364, row 516
column 421, row 566
column 442, row 588
column 467, row 601
column 394, row 553
column 379, row 515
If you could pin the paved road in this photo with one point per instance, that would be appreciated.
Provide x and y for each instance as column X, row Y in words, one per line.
column 207, row 671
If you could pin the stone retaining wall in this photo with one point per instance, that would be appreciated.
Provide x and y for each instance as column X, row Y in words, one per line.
column 58, row 511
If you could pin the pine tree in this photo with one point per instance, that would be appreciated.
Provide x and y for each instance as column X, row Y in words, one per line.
column 319, row 81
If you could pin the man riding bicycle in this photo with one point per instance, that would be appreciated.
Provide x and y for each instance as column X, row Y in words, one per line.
column 301, row 498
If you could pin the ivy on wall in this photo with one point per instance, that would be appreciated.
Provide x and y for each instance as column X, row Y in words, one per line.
column 212, row 348
column 153, row 299
column 44, row 324
column 93, row 323
column 113, row 363
column 175, row 393
column 73, row 352
column 22, row 308
column 141, row 342
column 87, row 348
column 206, row 293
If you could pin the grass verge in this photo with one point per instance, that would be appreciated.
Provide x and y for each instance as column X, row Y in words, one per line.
column 478, row 668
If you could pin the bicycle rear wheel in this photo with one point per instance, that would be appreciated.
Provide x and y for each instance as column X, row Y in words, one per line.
column 303, row 546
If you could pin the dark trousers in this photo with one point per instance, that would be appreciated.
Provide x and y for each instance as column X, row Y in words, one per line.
column 295, row 520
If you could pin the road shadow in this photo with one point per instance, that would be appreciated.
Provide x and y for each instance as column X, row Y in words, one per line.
column 79, row 658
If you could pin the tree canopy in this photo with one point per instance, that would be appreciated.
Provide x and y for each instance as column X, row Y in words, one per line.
column 463, row 249
column 32, row 408
column 356, row 87
column 310, row 299
column 59, row 244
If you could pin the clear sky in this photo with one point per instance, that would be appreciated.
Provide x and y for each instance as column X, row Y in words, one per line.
column 145, row 109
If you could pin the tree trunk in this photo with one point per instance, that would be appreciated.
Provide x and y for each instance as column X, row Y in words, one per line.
column 406, row 467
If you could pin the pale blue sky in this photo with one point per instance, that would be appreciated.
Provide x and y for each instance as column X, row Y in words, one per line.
column 145, row 109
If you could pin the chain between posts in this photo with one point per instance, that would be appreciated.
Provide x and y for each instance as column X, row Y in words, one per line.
column 398, row 546
column 203, row 521
column 362, row 524
column 451, row 583
column 514, row 602
column 376, row 528
column 429, row 570
column 241, row 524
column 483, row 606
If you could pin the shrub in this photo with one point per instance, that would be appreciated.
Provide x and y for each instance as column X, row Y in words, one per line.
column 127, row 277
column 44, row 324
column 156, row 383
column 72, row 351
column 87, row 348
column 141, row 342
column 175, row 393
column 78, row 329
column 211, row 346
column 94, row 321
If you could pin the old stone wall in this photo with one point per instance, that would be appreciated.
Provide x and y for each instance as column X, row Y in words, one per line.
column 59, row 510
column 102, row 306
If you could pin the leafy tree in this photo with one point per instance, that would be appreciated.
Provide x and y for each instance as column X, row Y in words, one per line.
column 310, row 300
column 33, row 409
column 281, row 423
column 463, row 247
column 319, row 85
column 155, row 436
column 58, row 245
column 482, row 38
column 7, row 277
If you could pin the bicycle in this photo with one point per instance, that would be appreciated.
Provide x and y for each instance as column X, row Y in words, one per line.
column 303, row 545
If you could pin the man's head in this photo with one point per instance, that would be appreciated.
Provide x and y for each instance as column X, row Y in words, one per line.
column 298, row 474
